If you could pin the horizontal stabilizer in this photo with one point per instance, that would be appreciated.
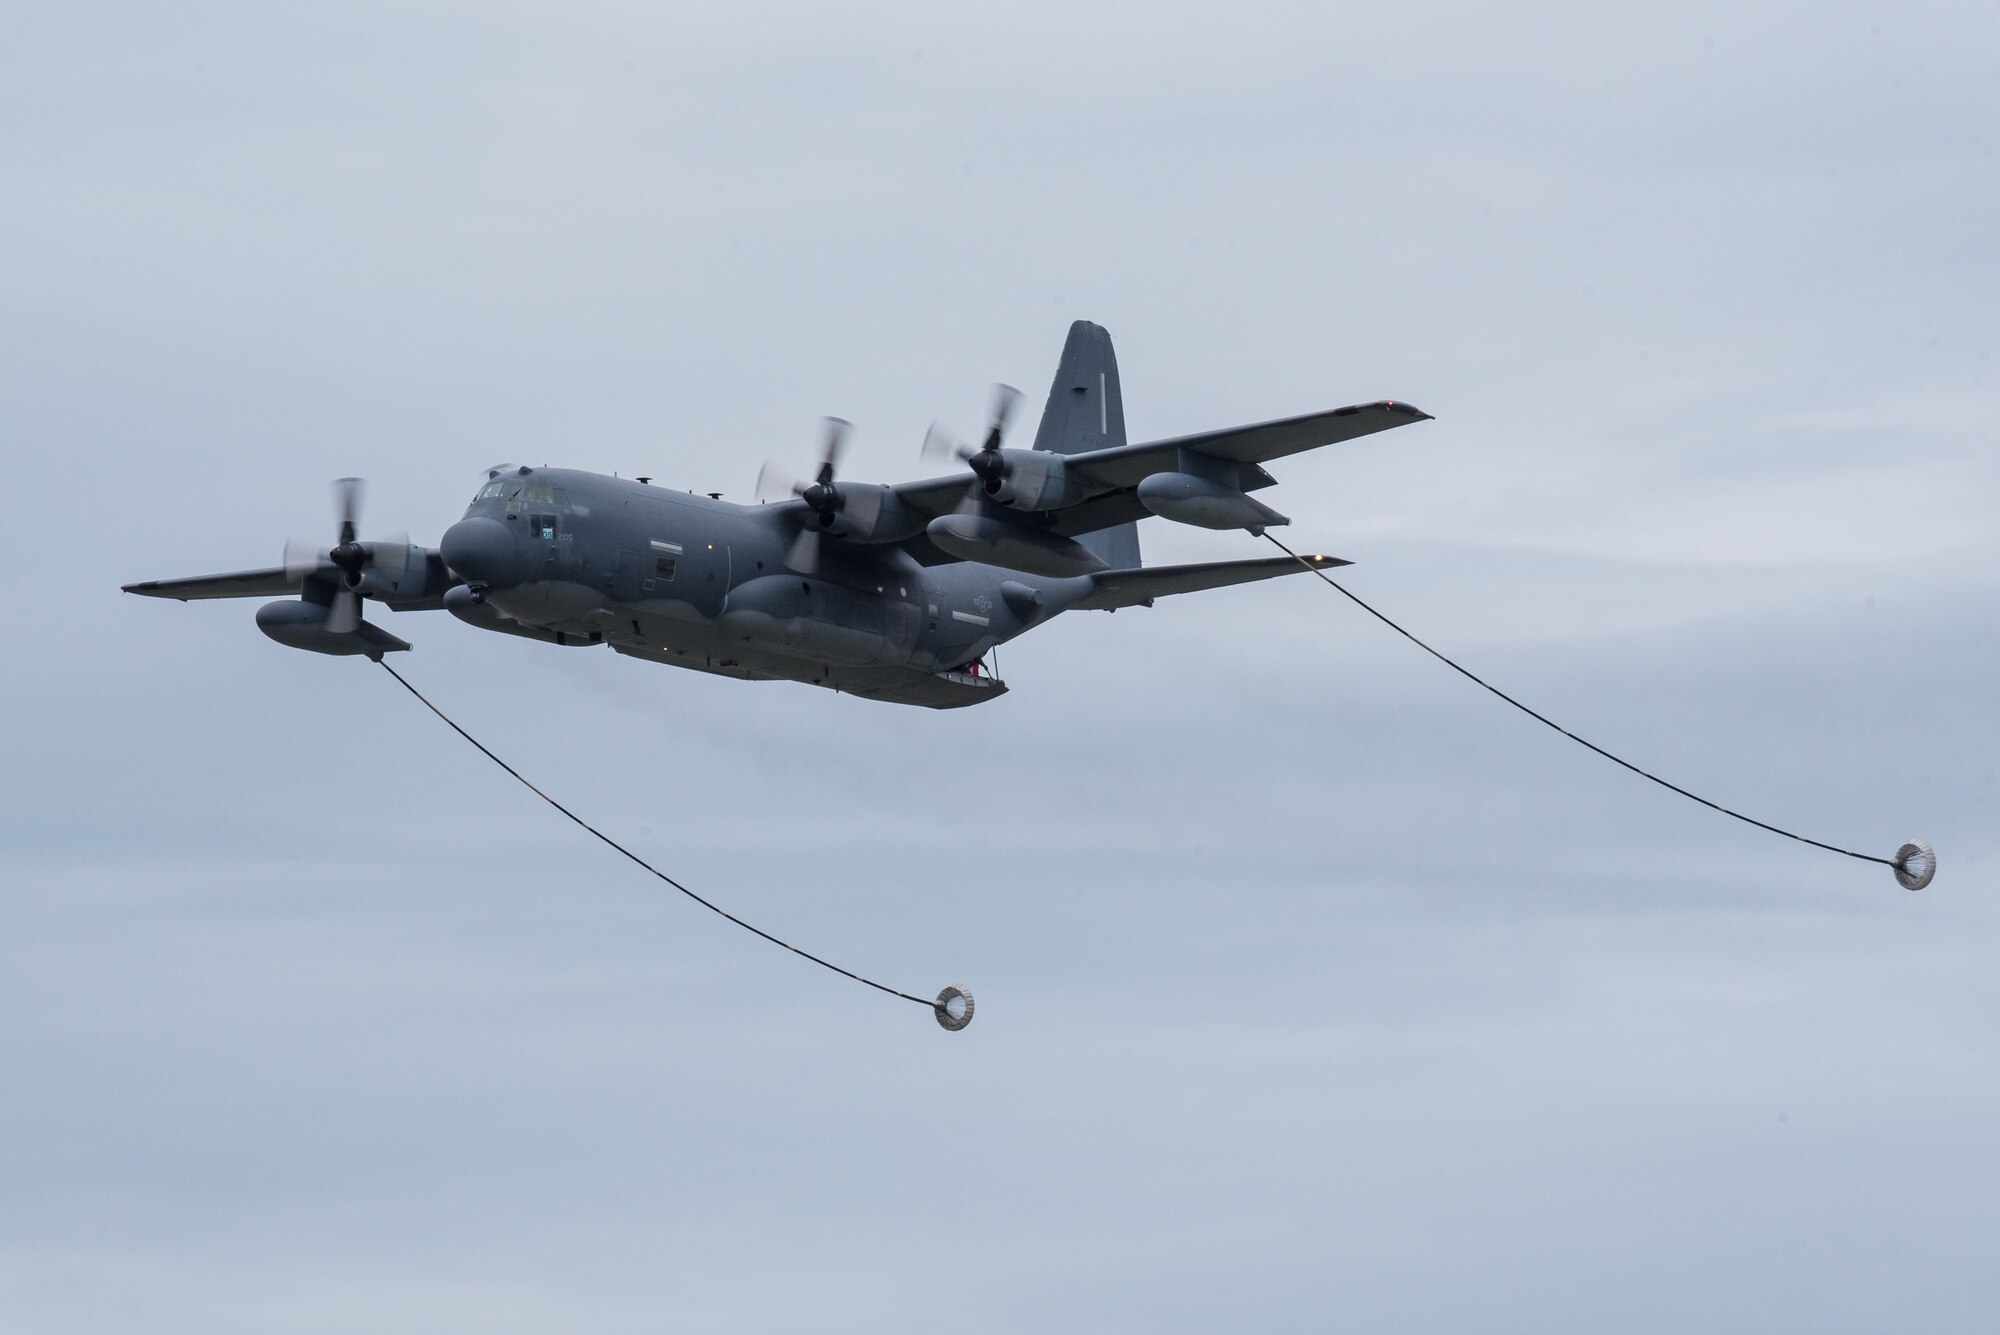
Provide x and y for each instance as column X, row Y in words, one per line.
column 272, row 583
column 1138, row 588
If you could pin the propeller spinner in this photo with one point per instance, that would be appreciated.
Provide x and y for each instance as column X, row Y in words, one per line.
column 346, row 564
column 987, row 463
column 822, row 496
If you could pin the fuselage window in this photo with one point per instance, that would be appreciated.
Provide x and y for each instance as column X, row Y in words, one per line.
column 542, row 526
column 663, row 567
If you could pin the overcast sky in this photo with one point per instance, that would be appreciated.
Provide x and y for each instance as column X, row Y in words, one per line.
column 1316, row 989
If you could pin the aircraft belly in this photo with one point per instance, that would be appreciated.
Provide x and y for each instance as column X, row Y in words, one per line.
column 683, row 641
column 783, row 628
column 747, row 665
column 776, row 627
column 932, row 690
column 910, row 686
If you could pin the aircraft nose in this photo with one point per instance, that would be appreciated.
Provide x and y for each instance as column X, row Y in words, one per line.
column 483, row 551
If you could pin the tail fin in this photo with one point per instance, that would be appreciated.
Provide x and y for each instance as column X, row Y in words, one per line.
column 1086, row 411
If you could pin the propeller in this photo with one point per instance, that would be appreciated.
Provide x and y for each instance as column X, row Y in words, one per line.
column 986, row 462
column 346, row 562
column 822, row 495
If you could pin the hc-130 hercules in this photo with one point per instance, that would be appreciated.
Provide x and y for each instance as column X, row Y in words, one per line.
column 890, row 592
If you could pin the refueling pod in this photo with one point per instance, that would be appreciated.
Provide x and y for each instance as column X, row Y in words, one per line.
column 1205, row 503
column 309, row 623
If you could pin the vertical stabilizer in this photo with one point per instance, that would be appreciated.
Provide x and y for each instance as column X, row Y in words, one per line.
column 1086, row 411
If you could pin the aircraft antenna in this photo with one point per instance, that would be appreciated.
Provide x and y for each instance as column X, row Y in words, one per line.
column 1915, row 863
column 953, row 1006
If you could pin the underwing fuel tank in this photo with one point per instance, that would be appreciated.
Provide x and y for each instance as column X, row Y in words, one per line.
column 998, row 542
column 1187, row 499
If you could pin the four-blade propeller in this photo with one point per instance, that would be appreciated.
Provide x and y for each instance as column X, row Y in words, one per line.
column 823, row 498
column 986, row 462
column 821, row 495
column 346, row 564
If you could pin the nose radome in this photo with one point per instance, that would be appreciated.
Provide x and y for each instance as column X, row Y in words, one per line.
column 482, row 550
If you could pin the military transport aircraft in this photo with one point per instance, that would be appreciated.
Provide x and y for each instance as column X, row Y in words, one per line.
column 889, row 592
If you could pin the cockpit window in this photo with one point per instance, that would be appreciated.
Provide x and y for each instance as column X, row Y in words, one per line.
column 532, row 493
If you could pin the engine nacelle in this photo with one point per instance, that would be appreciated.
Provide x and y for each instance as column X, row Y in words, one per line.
column 299, row 623
column 1002, row 543
column 402, row 573
column 1188, row 499
column 1036, row 480
column 871, row 512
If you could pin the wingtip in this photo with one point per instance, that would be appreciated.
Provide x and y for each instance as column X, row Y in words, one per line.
column 150, row 588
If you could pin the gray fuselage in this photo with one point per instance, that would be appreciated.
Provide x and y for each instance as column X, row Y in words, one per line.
column 693, row 581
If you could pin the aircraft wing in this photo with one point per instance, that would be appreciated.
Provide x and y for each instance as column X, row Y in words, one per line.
column 272, row 583
column 934, row 496
column 418, row 585
column 1128, row 465
column 1111, row 474
column 1123, row 467
column 1132, row 588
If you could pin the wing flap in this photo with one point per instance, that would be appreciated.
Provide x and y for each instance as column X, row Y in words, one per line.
column 1132, row 588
